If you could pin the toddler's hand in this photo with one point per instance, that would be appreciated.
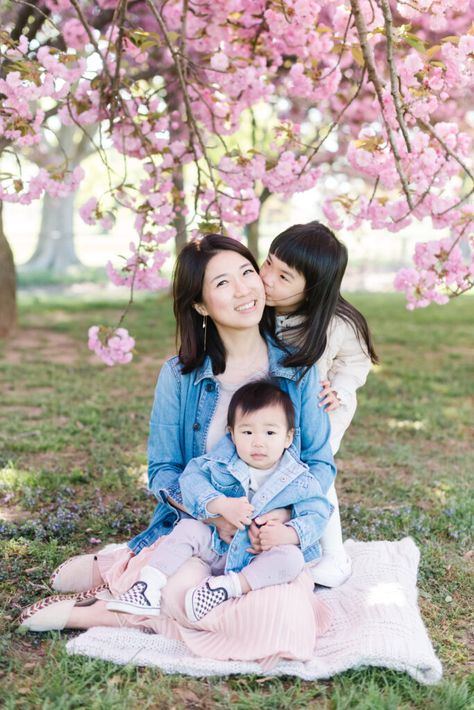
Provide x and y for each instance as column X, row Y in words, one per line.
column 254, row 535
column 237, row 511
column 274, row 533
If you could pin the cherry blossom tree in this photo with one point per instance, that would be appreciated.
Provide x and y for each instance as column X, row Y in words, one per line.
column 171, row 82
column 55, row 250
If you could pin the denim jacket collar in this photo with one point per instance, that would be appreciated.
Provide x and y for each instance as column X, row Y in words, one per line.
column 224, row 452
column 276, row 369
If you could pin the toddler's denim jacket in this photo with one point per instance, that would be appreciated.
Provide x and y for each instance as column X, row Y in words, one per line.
column 222, row 472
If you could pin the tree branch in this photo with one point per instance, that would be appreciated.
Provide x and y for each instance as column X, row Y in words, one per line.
column 369, row 60
column 394, row 78
column 182, row 82
column 424, row 124
column 334, row 123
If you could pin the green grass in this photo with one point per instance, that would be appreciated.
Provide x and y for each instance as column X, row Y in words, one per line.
column 77, row 274
column 72, row 468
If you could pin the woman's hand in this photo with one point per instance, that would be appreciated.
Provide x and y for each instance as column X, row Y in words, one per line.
column 280, row 515
column 225, row 529
column 328, row 397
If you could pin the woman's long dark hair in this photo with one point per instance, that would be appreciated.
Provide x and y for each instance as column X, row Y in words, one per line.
column 188, row 279
column 316, row 253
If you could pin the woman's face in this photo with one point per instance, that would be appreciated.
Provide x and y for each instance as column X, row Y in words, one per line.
column 284, row 286
column 232, row 293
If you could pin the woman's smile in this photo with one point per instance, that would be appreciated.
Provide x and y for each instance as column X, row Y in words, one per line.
column 246, row 306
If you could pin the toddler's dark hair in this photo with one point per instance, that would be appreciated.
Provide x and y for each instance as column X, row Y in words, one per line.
column 258, row 395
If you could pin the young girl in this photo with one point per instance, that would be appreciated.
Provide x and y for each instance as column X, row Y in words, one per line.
column 302, row 275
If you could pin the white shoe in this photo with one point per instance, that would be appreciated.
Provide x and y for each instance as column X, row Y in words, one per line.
column 52, row 613
column 332, row 570
column 144, row 597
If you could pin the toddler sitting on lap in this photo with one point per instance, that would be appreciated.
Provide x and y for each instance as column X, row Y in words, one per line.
column 251, row 471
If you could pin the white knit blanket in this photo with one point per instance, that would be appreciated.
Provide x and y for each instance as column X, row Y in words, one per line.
column 375, row 622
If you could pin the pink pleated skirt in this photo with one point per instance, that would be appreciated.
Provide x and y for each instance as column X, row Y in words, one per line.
column 282, row 621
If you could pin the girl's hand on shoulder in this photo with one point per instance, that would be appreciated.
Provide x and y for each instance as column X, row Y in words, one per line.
column 328, row 397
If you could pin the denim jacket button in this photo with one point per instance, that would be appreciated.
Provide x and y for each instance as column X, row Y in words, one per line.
column 210, row 387
column 196, row 426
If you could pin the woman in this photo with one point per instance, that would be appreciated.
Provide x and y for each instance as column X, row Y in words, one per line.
column 218, row 302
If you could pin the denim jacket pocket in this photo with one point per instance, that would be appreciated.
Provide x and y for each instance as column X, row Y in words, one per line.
column 225, row 484
column 222, row 480
column 303, row 483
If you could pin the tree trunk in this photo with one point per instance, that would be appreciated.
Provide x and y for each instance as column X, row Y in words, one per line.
column 252, row 232
column 55, row 251
column 8, row 313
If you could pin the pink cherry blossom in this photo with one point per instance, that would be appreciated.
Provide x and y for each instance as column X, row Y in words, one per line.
column 75, row 34
column 113, row 347
column 266, row 83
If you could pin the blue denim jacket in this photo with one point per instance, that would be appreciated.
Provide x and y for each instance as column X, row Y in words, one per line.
column 222, row 472
column 182, row 411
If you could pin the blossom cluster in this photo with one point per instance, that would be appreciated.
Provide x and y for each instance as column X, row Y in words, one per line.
column 440, row 269
column 170, row 97
column 113, row 347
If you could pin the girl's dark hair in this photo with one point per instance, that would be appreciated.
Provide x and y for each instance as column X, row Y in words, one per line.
column 188, row 277
column 316, row 253
column 257, row 395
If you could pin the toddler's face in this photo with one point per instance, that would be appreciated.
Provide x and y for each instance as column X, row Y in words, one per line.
column 261, row 437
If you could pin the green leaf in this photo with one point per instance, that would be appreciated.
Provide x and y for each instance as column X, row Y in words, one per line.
column 358, row 55
column 415, row 42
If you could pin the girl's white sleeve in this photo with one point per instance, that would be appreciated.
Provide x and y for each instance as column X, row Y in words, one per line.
column 348, row 371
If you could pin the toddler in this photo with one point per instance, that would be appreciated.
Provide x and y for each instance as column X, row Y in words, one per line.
column 254, row 469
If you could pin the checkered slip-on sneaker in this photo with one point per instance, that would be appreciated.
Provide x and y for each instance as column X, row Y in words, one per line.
column 201, row 600
column 136, row 601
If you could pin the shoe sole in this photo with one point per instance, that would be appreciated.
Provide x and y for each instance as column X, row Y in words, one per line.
column 188, row 607
column 128, row 608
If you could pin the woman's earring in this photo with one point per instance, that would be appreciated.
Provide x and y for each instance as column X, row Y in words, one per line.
column 204, row 325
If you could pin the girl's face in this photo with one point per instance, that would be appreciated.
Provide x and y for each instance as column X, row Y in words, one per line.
column 284, row 286
column 232, row 293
